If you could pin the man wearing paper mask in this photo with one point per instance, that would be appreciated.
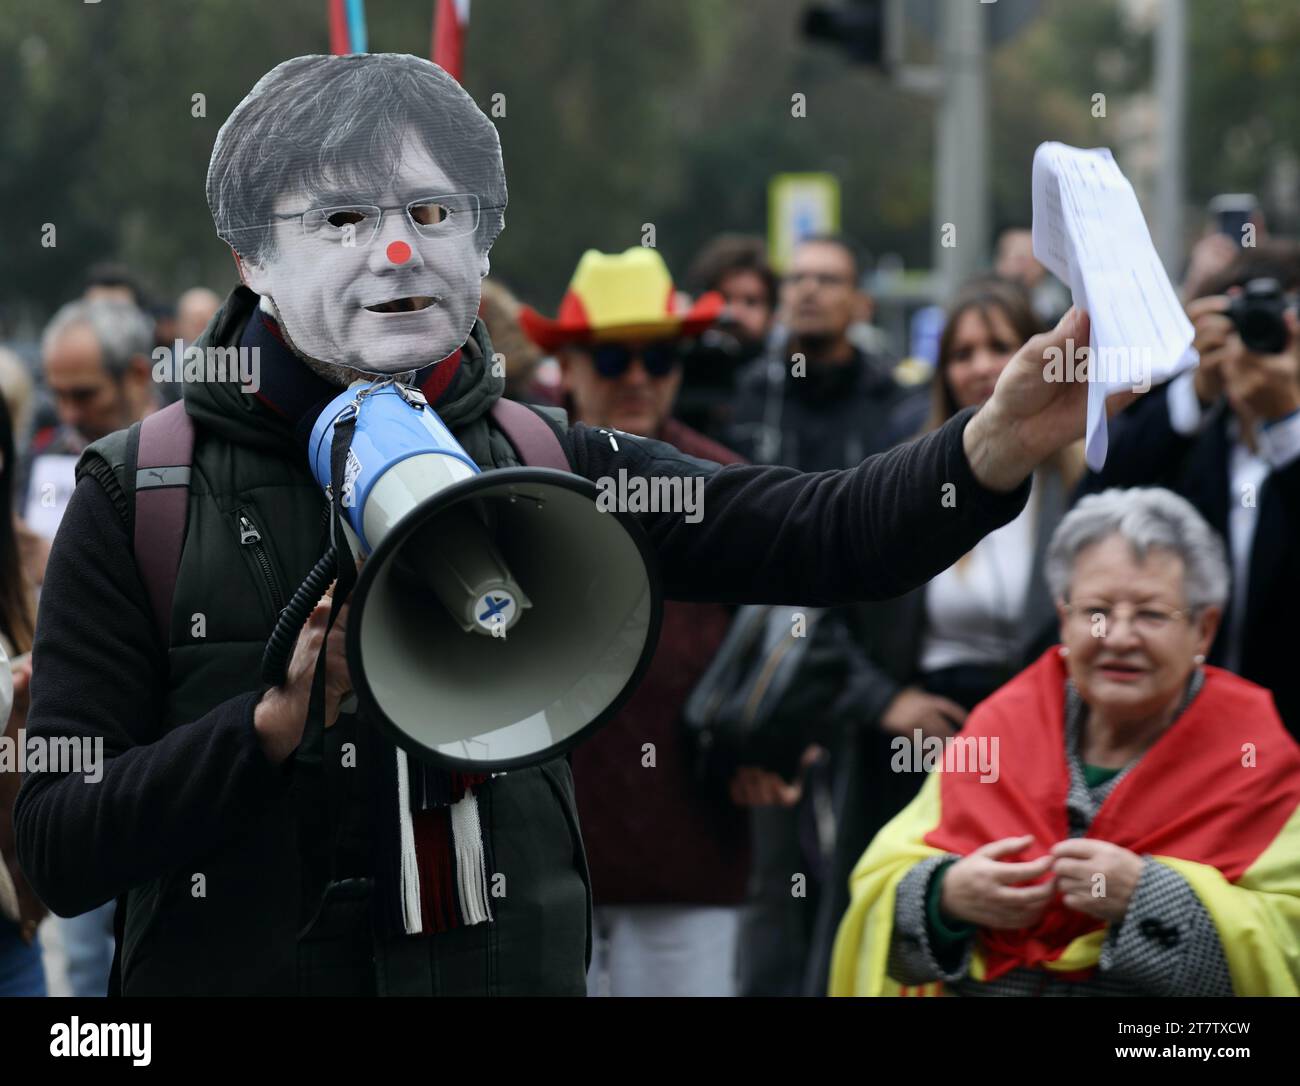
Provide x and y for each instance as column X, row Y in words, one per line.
column 361, row 196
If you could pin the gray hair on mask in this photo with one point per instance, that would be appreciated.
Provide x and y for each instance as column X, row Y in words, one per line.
column 122, row 331
column 1146, row 518
column 318, row 123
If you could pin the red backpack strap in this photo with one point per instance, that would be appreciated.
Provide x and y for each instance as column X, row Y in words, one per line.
column 162, row 489
column 533, row 439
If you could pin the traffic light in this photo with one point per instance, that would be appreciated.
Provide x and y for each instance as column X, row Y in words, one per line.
column 857, row 27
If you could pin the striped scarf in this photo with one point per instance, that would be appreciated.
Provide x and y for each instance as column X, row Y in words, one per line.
column 443, row 859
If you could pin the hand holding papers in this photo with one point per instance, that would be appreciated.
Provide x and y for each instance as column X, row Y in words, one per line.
column 1090, row 233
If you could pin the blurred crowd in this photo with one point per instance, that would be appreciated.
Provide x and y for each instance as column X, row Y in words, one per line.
column 729, row 867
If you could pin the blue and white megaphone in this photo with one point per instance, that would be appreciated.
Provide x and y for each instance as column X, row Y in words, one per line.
column 498, row 616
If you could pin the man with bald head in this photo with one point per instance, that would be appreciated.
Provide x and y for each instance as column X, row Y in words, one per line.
column 194, row 309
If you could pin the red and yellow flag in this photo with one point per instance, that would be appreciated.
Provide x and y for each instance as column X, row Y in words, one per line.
column 1216, row 798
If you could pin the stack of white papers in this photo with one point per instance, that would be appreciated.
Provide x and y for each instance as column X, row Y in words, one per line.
column 1089, row 232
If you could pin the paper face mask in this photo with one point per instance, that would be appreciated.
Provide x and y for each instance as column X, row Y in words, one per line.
column 362, row 194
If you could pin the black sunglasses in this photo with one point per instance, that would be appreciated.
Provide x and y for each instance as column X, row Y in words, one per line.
column 613, row 359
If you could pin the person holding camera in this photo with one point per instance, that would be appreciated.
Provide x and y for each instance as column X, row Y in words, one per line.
column 1226, row 436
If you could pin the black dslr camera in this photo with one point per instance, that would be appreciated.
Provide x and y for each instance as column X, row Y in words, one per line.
column 1257, row 313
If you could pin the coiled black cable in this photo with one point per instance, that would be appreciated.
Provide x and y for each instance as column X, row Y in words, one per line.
column 279, row 646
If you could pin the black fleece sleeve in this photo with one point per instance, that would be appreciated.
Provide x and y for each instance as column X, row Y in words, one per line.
column 776, row 535
column 99, row 675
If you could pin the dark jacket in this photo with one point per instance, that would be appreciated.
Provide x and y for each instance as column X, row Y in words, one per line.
column 191, row 793
column 656, row 835
column 1145, row 450
column 831, row 417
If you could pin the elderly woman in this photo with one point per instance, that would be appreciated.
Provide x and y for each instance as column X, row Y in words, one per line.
column 1136, row 832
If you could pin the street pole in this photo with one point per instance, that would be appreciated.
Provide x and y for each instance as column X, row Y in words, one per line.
column 961, row 181
column 1171, row 94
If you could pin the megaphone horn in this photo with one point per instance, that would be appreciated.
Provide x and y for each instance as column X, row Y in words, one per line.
column 499, row 616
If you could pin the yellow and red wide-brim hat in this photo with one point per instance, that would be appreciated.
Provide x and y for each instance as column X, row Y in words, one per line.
column 620, row 296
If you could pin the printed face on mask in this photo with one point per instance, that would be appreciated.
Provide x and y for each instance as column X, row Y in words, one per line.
column 384, row 281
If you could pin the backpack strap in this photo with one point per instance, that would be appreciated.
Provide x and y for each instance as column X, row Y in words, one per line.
column 162, row 480
column 162, row 486
column 533, row 439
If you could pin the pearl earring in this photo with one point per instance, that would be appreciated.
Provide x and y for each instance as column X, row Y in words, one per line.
column 1198, row 659
column 1064, row 650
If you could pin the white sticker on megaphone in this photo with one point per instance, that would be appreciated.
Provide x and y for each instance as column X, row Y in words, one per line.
column 494, row 610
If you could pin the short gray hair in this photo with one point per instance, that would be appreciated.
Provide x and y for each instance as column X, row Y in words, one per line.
column 1144, row 517
column 120, row 328
column 317, row 122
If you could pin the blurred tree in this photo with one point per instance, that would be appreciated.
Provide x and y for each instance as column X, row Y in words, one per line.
column 617, row 114
column 1042, row 83
column 1244, row 103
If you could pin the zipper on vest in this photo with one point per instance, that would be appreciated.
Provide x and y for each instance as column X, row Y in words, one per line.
column 249, row 536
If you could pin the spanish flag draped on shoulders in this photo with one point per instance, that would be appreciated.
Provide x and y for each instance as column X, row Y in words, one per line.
column 1216, row 798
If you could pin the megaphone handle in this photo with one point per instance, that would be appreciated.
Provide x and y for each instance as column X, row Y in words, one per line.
column 313, row 789
column 279, row 646
column 311, row 750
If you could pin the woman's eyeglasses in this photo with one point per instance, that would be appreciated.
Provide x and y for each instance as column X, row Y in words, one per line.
column 613, row 359
column 1148, row 618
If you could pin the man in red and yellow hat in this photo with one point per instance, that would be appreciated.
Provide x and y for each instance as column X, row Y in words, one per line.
column 669, row 858
column 617, row 337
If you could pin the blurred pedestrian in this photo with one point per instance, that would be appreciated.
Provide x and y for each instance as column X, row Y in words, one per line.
column 113, row 282
column 21, row 968
column 519, row 356
column 195, row 309
column 96, row 356
column 1015, row 261
column 815, row 400
column 735, row 266
column 16, row 389
column 191, row 314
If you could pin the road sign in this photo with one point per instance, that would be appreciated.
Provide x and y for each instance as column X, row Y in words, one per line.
column 798, row 206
